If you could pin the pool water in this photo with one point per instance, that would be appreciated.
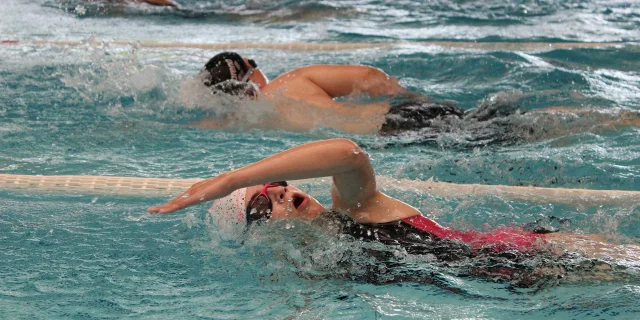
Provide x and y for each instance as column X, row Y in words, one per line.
column 123, row 110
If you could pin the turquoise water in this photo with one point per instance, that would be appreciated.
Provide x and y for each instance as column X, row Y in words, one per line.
column 122, row 111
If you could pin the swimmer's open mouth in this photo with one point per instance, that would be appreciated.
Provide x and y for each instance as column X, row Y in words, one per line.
column 298, row 200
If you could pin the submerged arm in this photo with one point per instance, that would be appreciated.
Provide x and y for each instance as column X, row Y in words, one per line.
column 342, row 159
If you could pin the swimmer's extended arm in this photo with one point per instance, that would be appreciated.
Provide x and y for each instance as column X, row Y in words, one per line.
column 342, row 159
column 343, row 80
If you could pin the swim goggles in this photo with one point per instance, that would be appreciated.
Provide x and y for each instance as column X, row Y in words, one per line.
column 261, row 206
column 253, row 66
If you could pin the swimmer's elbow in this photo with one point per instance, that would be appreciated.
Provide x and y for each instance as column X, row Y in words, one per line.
column 377, row 83
column 344, row 145
column 375, row 73
column 350, row 153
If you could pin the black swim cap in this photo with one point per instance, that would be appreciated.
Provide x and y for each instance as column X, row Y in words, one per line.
column 223, row 67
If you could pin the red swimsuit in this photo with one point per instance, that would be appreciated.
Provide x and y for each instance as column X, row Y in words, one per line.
column 503, row 238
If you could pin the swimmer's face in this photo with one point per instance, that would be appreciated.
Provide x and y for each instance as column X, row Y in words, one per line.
column 257, row 76
column 287, row 202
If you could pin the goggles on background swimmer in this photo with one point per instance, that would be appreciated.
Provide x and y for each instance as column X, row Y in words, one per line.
column 249, row 64
column 261, row 206
column 253, row 66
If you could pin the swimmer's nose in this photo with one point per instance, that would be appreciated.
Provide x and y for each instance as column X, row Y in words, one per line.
column 277, row 194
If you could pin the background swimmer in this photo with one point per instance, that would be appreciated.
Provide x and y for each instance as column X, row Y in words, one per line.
column 247, row 195
column 314, row 88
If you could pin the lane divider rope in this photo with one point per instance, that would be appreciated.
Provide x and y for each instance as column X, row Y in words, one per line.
column 159, row 187
column 301, row 46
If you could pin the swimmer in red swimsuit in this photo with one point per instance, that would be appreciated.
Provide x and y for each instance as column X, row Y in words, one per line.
column 248, row 194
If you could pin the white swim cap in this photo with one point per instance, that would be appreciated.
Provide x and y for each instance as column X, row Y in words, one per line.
column 229, row 213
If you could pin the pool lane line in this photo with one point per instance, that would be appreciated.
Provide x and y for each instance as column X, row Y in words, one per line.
column 301, row 46
column 162, row 187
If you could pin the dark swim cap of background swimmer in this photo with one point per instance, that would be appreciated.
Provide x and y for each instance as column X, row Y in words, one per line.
column 225, row 66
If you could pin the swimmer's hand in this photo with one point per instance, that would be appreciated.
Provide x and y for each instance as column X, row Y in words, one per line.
column 202, row 191
column 165, row 208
